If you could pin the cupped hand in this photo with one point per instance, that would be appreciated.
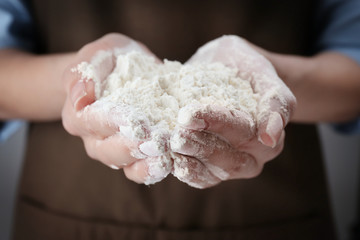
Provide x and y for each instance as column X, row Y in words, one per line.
column 103, row 127
column 213, row 143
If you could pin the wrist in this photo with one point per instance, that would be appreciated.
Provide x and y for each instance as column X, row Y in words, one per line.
column 293, row 70
column 296, row 72
column 326, row 86
column 32, row 87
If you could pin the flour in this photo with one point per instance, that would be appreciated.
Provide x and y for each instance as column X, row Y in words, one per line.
column 152, row 95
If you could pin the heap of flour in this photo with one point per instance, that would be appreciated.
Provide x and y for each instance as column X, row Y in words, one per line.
column 154, row 92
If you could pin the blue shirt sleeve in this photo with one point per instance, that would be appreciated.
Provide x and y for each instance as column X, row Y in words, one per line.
column 9, row 128
column 16, row 31
column 340, row 27
column 340, row 31
column 16, row 26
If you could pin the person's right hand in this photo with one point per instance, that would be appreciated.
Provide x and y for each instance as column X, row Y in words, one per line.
column 103, row 128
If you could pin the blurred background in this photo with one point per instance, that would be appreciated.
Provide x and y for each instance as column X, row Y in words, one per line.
column 342, row 155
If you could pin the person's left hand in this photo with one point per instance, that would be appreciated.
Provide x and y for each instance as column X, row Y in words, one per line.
column 215, row 144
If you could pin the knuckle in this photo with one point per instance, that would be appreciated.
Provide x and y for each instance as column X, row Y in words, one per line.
column 129, row 173
column 115, row 36
column 115, row 39
column 276, row 151
column 136, row 172
column 255, row 172
column 91, row 149
column 68, row 125
column 111, row 35
column 86, row 48
column 227, row 38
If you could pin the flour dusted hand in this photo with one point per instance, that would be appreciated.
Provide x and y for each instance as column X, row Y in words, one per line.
column 276, row 103
column 104, row 126
column 220, row 143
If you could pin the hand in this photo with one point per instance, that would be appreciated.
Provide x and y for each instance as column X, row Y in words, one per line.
column 216, row 144
column 102, row 125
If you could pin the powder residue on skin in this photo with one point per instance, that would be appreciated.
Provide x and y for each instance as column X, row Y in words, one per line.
column 154, row 93
column 160, row 90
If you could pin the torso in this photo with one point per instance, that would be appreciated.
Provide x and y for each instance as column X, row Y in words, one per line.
column 62, row 187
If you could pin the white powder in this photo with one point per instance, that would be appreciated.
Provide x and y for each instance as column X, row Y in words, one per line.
column 152, row 94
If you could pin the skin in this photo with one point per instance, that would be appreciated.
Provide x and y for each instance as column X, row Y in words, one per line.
column 326, row 86
column 31, row 86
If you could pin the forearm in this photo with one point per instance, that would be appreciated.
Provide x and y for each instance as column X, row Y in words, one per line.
column 327, row 86
column 30, row 85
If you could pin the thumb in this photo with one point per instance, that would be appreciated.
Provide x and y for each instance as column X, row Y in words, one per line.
column 274, row 112
column 82, row 94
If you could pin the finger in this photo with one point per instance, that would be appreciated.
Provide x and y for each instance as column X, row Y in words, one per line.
column 89, row 122
column 82, row 94
column 193, row 172
column 136, row 172
column 235, row 126
column 149, row 170
column 157, row 145
column 274, row 112
column 92, row 68
column 270, row 129
column 107, row 117
column 224, row 161
column 113, row 151
column 262, row 152
column 104, row 118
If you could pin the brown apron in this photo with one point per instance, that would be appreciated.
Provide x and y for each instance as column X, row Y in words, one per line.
column 66, row 195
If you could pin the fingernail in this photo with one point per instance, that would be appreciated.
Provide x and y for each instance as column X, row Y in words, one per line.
column 158, row 168
column 186, row 118
column 151, row 149
column 199, row 124
column 136, row 153
column 265, row 139
column 177, row 142
column 77, row 93
column 182, row 145
column 218, row 172
column 274, row 128
column 114, row 167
